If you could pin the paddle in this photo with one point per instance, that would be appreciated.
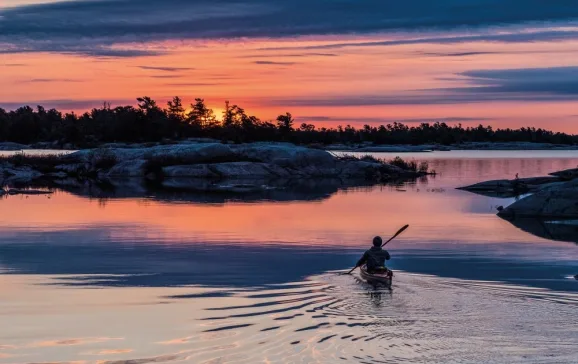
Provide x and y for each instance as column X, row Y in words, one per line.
column 396, row 234
column 390, row 239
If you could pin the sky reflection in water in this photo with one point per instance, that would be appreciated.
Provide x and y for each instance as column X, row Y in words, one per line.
column 198, row 282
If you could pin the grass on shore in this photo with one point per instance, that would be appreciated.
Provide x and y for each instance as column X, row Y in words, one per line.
column 47, row 163
column 42, row 163
column 412, row 165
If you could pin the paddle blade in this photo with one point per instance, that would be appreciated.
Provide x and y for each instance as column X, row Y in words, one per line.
column 396, row 234
column 401, row 230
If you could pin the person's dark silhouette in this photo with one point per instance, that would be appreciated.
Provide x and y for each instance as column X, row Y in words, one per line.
column 375, row 257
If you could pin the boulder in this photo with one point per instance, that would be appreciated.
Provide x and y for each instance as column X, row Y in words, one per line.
column 493, row 185
column 536, row 181
column 71, row 169
column 190, row 184
column 567, row 174
column 180, row 154
column 556, row 202
column 243, row 170
column 191, row 171
column 9, row 146
column 502, row 186
column 176, row 154
column 317, row 171
column 284, row 155
column 133, row 168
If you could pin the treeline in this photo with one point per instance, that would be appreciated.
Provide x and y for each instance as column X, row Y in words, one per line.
column 148, row 122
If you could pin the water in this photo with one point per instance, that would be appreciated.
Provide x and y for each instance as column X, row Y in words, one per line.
column 162, row 278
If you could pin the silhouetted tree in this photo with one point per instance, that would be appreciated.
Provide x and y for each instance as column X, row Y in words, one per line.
column 285, row 122
column 200, row 115
column 227, row 115
column 146, row 104
column 175, row 108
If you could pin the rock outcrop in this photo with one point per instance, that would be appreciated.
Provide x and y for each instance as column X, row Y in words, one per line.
column 550, row 197
column 513, row 187
column 567, row 174
column 9, row 146
column 216, row 160
column 165, row 164
column 556, row 202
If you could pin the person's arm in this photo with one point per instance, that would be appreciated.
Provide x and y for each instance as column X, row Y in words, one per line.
column 387, row 256
column 362, row 261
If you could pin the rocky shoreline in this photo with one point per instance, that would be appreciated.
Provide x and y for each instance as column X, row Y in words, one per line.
column 206, row 166
column 550, row 197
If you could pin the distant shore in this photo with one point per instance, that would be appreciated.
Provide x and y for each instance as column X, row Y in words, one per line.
column 423, row 148
column 357, row 148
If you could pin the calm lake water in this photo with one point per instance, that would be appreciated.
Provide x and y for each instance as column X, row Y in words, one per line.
column 157, row 279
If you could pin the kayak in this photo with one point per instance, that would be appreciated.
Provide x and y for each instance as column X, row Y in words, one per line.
column 385, row 277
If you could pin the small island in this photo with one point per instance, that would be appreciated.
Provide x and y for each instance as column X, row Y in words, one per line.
column 201, row 166
column 550, row 197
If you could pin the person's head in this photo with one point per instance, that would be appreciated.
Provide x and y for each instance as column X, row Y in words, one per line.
column 377, row 241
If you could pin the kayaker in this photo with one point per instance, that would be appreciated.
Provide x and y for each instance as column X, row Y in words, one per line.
column 375, row 257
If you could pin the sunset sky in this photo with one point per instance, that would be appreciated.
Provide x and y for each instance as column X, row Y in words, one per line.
column 507, row 63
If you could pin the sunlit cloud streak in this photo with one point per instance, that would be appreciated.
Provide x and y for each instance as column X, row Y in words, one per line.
column 377, row 120
column 70, row 104
column 273, row 63
column 290, row 55
column 46, row 80
column 166, row 69
column 192, row 84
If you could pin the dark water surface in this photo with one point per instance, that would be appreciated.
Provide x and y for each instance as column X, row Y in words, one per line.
column 155, row 280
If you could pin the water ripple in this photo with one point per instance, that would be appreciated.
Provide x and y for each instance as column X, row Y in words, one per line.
column 333, row 318
column 423, row 319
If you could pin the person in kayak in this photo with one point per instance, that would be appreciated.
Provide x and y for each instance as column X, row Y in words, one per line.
column 375, row 257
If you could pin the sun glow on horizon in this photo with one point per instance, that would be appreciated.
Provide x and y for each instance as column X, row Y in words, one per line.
column 372, row 85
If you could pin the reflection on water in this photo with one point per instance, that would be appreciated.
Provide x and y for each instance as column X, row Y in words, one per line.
column 565, row 230
column 142, row 278
column 201, row 191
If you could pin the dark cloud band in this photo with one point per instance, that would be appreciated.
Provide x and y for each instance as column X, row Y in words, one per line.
column 92, row 27
column 512, row 85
